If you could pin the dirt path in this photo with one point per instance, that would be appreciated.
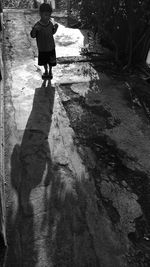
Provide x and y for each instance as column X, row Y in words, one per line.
column 76, row 154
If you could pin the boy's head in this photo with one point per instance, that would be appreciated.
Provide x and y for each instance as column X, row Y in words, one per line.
column 45, row 11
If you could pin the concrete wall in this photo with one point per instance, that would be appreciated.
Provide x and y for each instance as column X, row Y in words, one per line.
column 52, row 2
column 56, row 4
column 3, row 242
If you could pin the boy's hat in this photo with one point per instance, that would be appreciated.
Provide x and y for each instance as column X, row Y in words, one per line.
column 45, row 8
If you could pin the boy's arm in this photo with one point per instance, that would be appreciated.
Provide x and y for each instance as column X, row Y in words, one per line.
column 34, row 31
column 55, row 27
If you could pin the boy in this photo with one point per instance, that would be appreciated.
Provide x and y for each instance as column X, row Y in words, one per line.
column 43, row 31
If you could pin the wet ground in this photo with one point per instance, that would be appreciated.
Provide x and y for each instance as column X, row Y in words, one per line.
column 76, row 159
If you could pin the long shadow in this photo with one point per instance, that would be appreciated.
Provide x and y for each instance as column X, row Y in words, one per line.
column 28, row 164
column 71, row 241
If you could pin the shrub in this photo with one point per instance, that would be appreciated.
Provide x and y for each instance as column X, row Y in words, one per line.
column 123, row 25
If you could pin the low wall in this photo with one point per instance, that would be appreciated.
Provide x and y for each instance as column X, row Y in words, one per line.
column 3, row 241
column 56, row 4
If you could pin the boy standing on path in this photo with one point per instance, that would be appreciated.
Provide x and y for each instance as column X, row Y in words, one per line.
column 43, row 31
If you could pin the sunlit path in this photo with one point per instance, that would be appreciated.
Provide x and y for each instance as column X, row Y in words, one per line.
column 76, row 157
column 44, row 171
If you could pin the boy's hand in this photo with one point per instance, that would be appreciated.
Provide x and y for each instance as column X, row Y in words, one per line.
column 36, row 27
column 35, row 30
column 55, row 28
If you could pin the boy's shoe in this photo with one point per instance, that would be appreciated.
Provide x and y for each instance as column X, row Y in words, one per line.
column 50, row 76
column 45, row 75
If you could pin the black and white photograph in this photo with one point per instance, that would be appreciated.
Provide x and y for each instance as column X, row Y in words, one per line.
column 74, row 133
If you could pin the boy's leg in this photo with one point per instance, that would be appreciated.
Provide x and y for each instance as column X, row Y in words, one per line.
column 46, row 69
column 45, row 74
column 50, row 72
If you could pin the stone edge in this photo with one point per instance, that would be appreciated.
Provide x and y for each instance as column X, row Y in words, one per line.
column 2, row 146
